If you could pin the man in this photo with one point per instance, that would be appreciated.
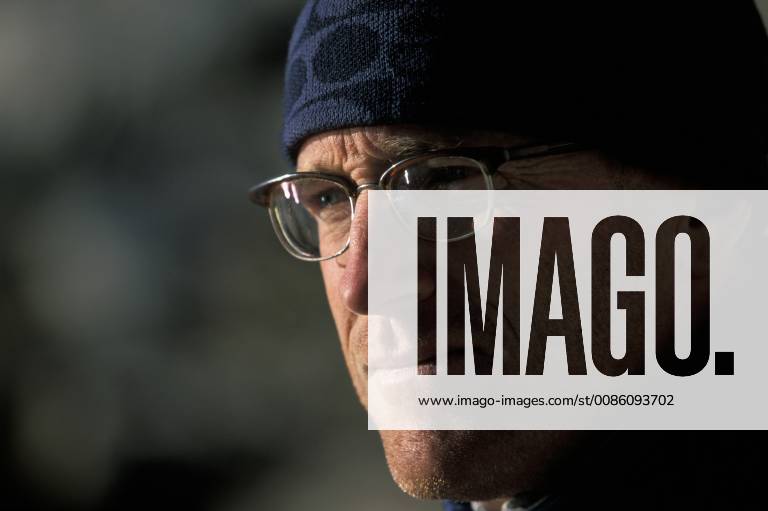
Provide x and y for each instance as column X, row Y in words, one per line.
column 654, row 95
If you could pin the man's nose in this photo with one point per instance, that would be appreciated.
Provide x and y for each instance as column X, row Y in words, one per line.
column 354, row 281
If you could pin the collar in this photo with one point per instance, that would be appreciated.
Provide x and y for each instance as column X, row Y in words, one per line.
column 523, row 503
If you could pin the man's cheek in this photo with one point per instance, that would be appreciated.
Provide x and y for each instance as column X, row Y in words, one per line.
column 331, row 273
column 352, row 329
column 356, row 355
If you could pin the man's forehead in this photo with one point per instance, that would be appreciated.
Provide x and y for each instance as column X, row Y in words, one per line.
column 346, row 149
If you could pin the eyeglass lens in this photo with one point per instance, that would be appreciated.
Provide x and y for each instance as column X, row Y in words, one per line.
column 313, row 215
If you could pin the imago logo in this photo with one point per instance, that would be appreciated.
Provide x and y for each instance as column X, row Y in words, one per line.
column 556, row 264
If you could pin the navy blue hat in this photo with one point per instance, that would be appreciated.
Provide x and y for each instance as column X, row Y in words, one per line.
column 645, row 76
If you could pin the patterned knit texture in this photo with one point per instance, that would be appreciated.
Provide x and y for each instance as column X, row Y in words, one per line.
column 658, row 74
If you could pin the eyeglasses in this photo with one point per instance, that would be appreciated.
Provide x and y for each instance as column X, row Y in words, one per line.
column 312, row 212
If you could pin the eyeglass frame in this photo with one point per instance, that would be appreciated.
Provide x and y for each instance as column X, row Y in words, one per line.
column 488, row 157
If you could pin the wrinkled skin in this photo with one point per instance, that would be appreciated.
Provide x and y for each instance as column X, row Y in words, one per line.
column 466, row 465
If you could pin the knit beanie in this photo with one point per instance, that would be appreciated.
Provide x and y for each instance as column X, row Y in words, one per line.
column 644, row 77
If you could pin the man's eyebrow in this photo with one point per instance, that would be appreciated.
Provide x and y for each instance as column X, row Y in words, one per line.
column 392, row 149
column 400, row 147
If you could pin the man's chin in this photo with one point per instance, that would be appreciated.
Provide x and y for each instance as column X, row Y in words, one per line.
column 474, row 465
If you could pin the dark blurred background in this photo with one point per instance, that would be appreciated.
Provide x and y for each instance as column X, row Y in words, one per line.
column 158, row 348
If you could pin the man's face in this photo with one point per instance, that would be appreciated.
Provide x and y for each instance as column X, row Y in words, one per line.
column 466, row 465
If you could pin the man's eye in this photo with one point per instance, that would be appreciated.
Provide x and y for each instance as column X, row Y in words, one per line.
column 327, row 203
column 427, row 178
column 326, row 198
column 330, row 198
column 443, row 177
